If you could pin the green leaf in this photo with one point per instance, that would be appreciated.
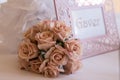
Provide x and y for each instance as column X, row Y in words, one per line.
column 42, row 53
column 58, row 42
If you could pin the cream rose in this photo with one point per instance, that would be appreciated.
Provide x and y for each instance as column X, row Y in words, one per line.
column 50, row 71
column 45, row 40
column 27, row 50
column 57, row 56
column 61, row 30
column 30, row 33
column 73, row 46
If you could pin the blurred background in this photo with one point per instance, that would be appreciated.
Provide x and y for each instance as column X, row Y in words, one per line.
column 18, row 15
column 117, row 6
column 117, row 13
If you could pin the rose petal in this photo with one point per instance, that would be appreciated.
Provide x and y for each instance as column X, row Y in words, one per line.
column 71, row 67
column 44, row 25
column 43, row 65
column 27, row 50
column 61, row 49
column 45, row 46
column 24, row 64
column 35, row 64
column 50, row 71
column 73, row 46
column 30, row 33
column 58, row 56
column 49, row 52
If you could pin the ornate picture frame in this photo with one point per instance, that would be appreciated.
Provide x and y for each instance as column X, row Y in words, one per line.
column 104, row 36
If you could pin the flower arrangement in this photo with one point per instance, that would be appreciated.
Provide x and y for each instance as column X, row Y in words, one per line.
column 49, row 48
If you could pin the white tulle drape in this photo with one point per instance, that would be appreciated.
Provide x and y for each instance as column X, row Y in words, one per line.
column 16, row 16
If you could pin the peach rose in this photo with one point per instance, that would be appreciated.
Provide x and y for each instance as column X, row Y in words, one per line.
column 27, row 50
column 44, row 25
column 61, row 30
column 45, row 40
column 50, row 71
column 44, row 63
column 73, row 46
column 35, row 64
column 73, row 57
column 30, row 33
column 57, row 56
column 71, row 66
column 24, row 64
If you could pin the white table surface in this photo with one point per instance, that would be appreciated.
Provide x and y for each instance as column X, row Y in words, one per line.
column 102, row 67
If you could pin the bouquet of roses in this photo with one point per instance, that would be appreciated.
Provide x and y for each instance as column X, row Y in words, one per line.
column 49, row 48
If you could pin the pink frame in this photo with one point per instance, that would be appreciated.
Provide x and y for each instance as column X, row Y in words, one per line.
column 97, row 45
